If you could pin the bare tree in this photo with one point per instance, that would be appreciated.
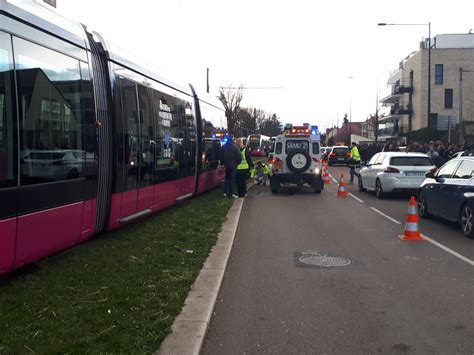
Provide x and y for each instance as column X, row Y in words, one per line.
column 231, row 99
column 259, row 117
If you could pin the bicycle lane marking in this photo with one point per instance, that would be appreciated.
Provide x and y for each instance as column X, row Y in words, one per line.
column 385, row 215
column 432, row 241
column 450, row 251
column 355, row 197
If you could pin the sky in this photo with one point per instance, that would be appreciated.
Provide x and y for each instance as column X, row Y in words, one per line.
column 305, row 60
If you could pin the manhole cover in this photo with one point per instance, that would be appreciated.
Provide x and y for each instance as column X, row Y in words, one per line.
column 322, row 260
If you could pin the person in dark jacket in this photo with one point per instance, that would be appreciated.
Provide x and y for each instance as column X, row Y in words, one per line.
column 243, row 168
column 230, row 157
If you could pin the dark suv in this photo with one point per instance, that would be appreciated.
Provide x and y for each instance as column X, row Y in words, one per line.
column 449, row 193
column 338, row 155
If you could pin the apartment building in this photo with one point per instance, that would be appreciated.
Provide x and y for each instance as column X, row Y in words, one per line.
column 404, row 112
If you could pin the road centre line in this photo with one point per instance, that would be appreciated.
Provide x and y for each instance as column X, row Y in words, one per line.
column 386, row 216
column 355, row 197
column 450, row 251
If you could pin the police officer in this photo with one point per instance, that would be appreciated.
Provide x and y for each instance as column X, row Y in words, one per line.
column 354, row 161
column 243, row 168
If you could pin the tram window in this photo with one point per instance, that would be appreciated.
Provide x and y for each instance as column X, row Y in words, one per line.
column 211, row 151
column 7, row 136
column 210, row 146
column 165, row 125
column 51, row 114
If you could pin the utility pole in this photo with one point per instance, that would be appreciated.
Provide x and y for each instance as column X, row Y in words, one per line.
column 376, row 128
column 429, row 81
column 449, row 129
column 461, row 123
column 207, row 80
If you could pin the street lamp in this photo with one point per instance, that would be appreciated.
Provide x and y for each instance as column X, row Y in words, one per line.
column 350, row 113
column 429, row 63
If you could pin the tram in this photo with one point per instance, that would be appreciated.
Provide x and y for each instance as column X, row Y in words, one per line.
column 90, row 138
column 259, row 144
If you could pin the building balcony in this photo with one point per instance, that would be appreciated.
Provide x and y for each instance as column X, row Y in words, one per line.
column 392, row 131
column 396, row 92
column 396, row 112
column 387, row 132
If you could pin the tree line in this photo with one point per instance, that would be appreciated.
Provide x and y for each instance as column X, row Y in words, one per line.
column 242, row 121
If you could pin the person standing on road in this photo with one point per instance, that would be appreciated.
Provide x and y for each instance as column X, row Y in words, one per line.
column 243, row 168
column 230, row 157
column 354, row 161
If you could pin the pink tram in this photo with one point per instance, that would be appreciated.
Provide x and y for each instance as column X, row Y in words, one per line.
column 90, row 139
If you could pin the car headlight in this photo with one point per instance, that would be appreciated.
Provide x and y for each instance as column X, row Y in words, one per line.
column 317, row 171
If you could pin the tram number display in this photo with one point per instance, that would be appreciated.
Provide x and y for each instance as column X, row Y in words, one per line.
column 297, row 144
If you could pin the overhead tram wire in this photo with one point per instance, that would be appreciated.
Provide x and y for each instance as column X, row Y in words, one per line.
column 252, row 88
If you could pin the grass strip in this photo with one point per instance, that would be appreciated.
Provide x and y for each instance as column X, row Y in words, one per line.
column 119, row 292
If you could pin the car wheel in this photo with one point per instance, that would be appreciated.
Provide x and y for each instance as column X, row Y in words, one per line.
column 467, row 220
column 422, row 206
column 361, row 185
column 378, row 189
column 317, row 191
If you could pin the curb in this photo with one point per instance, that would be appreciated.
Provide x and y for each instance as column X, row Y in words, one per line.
column 190, row 326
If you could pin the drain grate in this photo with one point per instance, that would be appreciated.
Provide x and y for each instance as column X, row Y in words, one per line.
column 314, row 259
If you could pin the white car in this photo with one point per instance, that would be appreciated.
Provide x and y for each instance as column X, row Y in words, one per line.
column 394, row 172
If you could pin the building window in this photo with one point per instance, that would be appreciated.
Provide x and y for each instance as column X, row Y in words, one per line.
column 438, row 74
column 448, row 98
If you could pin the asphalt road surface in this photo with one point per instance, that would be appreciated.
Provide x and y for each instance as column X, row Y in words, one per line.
column 313, row 273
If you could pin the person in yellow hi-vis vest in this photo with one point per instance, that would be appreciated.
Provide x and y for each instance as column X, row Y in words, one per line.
column 260, row 173
column 354, row 162
column 243, row 168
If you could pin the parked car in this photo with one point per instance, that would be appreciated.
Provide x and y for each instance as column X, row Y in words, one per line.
column 449, row 193
column 325, row 153
column 339, row 155
column 395, row 172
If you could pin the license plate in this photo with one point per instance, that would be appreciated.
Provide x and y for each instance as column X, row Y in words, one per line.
column 340, row 158
column 415, row 173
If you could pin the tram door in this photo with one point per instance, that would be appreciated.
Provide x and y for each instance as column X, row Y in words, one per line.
column 187, row 149
column 137, row 194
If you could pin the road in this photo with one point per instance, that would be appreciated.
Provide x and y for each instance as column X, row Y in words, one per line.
column 386, row 296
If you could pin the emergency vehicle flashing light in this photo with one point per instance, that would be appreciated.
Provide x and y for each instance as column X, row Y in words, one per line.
column 305, row 130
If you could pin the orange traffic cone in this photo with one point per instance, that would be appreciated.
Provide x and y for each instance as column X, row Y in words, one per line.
column 411, row 232
column 341, row 191
column 326, row 178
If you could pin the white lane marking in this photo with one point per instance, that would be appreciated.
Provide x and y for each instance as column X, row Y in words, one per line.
column 386, row 216
column 356, row 198
column 446, row 249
